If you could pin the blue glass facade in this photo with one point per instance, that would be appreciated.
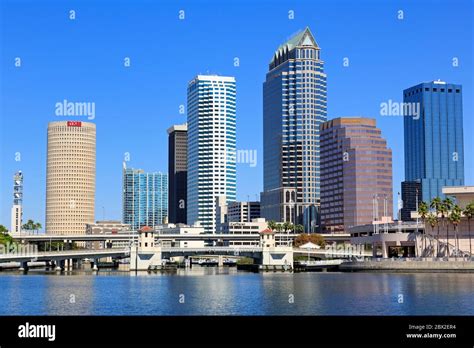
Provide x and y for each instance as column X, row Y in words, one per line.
column 145, row 198
column 434, row 151
column 294, row 107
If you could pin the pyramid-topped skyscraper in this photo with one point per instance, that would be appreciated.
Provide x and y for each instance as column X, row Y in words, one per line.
column 294, row 106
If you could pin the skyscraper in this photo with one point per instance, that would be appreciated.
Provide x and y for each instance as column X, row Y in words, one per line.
column 145, row 198
column 411, row 198
column 177, row 172
column 211, row 147
column 434, row 150
column 356, row 172
column 17, row 208
column 70, row 177
column 294, row 106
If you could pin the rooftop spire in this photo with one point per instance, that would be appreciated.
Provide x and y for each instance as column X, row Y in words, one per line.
column 300, row 39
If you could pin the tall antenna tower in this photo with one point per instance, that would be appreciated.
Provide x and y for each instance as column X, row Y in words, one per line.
column 18, row 188
column 17, row 208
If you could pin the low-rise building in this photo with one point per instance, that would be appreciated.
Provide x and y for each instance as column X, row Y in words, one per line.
column 173, row 230
column 243, row 211
column 108, row 227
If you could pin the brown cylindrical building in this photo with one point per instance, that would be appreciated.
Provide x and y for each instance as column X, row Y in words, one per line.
column 70, row 177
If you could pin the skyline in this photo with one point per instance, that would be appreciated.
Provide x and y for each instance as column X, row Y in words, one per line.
column 249, row 96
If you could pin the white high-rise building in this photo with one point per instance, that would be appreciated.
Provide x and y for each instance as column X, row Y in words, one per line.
column 211, row 147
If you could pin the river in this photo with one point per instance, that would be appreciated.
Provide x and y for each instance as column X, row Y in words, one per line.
column 226, row 291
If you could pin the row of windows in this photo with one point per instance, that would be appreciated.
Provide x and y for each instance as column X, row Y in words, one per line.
column 434, row 89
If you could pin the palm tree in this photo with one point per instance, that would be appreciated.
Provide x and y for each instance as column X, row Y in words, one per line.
column 437, row 205
column 433, row 221
column 37, row 227
column 279, row 227
column 272, row 225
column 469, row 213
column 447, row 205
column 29, row 226
column 286, row 226
column 423, row 212
column 299, row 228
column 455, row 218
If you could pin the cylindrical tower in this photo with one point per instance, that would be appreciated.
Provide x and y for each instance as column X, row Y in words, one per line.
column 70, row 177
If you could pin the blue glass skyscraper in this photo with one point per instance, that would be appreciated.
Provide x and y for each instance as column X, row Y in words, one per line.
column 434, row 151
column 145, row 198
column 294, row 107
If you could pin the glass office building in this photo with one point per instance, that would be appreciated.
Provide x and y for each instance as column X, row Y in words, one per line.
column 294, row 107
column 211, row 147
column 356, row 174
column 177, row 172
column 434, row 151
column 145, row 198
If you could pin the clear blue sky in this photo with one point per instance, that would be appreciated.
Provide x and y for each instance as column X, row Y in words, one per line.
column 82, row 60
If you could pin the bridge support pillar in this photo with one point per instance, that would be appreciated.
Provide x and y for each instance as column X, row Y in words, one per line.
column 220, row 261
column 69, row 264
column 384, row 250
column 279, row 257
column 59, row 265
column 94, row 265
column 76, row 264
column 142, row 259
column 24, row 266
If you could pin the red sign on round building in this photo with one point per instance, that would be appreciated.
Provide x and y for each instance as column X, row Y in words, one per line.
column 74, row 123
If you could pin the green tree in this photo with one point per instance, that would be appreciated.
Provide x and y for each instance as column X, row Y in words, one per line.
column 37, row 226
column 423, row 213
column 29, row 225
column 437, row 205
column 447, row 207
column 433, row 221
column 455, row 219
column 286, row 226
column 6, row 239
column 272, row 225
column 299, row 228
column 279, row 228
column 3, row 229
column 469, row 213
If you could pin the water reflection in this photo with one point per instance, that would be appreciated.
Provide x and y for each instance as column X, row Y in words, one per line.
column 225, row 291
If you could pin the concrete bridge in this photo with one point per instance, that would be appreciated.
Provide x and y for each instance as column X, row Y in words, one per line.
column 66, row 258
column 62, row 259
column 64, row 254
column 25, row 238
